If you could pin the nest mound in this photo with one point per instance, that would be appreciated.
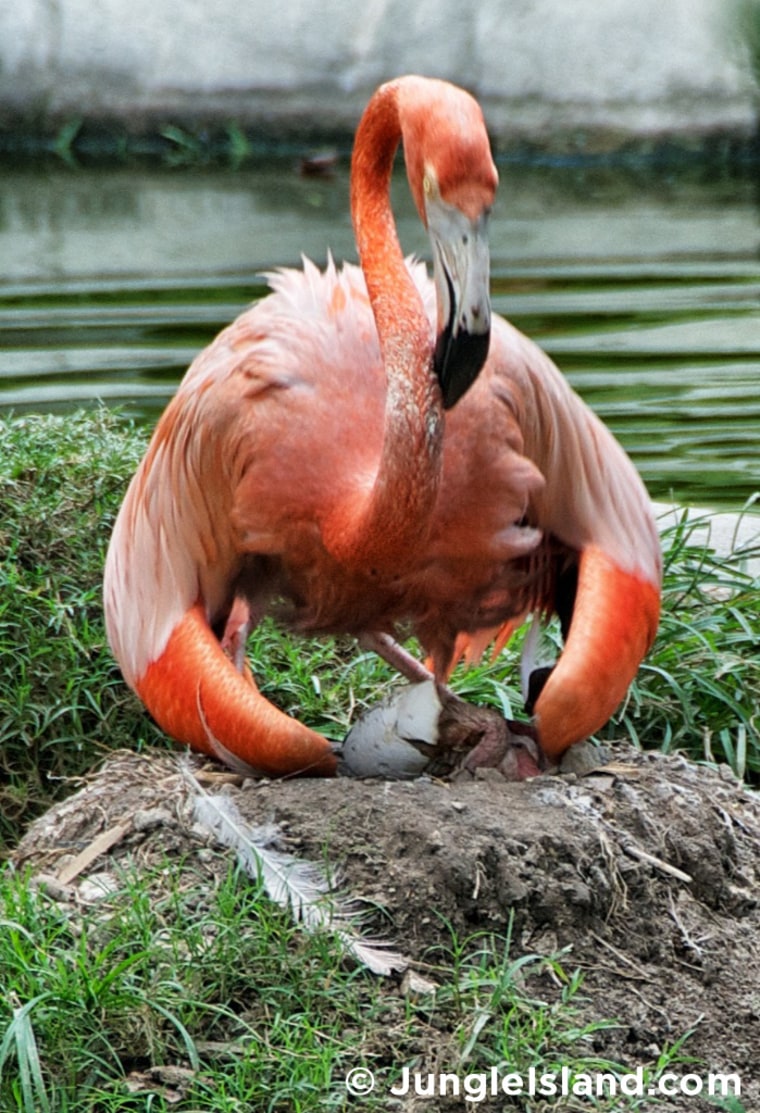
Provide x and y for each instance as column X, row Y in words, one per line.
column 648, row 869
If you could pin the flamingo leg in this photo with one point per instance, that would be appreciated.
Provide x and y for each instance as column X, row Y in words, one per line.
column 399, row 658
column 237, row 629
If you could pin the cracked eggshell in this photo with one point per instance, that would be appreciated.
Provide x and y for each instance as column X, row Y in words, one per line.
column 379, row 744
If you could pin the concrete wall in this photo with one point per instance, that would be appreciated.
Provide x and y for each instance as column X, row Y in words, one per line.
column 541, row 67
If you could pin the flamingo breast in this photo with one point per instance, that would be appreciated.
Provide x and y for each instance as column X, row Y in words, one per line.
column 330, row 406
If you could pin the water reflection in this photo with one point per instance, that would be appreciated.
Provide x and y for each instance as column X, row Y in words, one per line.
column 643, row 288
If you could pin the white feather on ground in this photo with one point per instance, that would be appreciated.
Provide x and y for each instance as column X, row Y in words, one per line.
column 301, row 886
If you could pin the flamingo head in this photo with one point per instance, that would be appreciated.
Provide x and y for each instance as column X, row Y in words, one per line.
column 453, row 180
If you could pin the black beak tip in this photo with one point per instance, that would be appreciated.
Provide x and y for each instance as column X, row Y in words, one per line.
column 458, row 361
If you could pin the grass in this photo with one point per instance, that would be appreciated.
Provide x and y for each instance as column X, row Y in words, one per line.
column 174, row 994
column 166, row 975
column 62, row 700
column 168, row 995
column 698, row 689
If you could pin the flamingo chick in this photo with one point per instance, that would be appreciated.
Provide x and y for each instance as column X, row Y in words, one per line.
column 368, row 451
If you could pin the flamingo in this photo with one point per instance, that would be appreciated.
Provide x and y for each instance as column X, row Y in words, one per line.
column 369, row 451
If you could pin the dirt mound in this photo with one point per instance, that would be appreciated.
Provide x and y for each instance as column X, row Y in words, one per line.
column 648, row 869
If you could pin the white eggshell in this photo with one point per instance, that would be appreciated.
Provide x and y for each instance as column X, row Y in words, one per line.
column 418, row 712
column 377, row 744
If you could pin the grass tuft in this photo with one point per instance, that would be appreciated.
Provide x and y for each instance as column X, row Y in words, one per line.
column 168, row 995
column 698, row 689
column 62, row 699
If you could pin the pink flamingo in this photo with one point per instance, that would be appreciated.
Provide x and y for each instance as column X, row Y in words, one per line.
column 367, row 451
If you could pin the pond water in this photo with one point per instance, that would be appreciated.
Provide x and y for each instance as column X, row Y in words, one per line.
column 642, row 286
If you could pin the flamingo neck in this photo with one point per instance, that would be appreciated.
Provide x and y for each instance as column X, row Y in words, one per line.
column 381, row 527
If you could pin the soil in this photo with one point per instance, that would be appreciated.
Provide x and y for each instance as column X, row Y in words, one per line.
column 647, row 868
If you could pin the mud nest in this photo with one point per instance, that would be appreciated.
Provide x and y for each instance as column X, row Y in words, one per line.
column 648, row 869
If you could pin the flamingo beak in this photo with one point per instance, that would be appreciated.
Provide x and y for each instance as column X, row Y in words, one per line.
column 461, row 267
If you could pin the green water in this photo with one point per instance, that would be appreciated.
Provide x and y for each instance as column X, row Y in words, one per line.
column 644, row 288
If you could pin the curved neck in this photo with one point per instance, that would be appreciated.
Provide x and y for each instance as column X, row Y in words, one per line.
column 381, row 527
